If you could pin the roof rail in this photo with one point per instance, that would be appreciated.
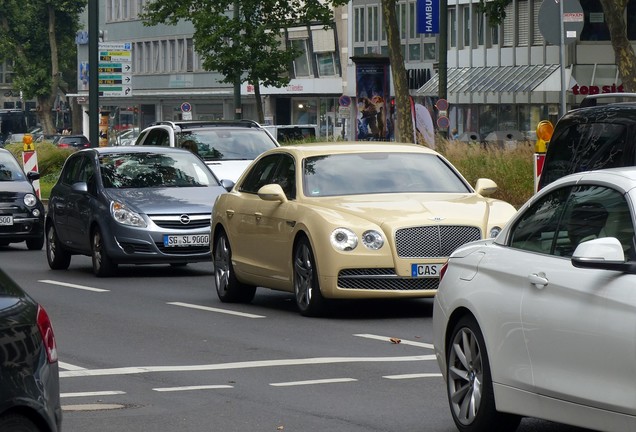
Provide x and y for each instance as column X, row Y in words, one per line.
column 593, row 100
column 207, row 123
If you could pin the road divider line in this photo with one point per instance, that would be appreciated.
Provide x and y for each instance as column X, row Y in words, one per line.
column 211, row 309
column 241, row 365
column 394, row 339
column 312, row 382
column 95, row 393
column 68, row 366
column 188, row 388
column 70, row 285
column 413, row 376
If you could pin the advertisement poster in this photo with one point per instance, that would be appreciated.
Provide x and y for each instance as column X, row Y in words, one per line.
column 372, row 95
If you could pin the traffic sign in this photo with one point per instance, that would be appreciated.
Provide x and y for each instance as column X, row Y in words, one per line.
column 441, row 104
column 186, row 107
column 550, row 21
column 115, row 69
column 443, row 122
column 344, row 101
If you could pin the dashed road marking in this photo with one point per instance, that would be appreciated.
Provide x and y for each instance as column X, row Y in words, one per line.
column 413, row 376
column 68, row 366
column 70, row 285
column 211, row 309
column 311, row 382
column 189, row 388
column 402, row 341
column 93, row 393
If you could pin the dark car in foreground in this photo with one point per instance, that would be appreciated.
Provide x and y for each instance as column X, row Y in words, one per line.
column 21, row 211
column 131, row 205
column 29, row 374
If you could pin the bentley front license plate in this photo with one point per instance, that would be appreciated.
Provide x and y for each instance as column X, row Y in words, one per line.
column 425, row 270
column 6, row 220
column 186, row 240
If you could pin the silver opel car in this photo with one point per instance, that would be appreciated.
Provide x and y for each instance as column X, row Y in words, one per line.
column 131, row 205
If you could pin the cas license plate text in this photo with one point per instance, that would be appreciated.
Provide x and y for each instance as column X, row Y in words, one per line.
column 425, row 270
column 186, row 240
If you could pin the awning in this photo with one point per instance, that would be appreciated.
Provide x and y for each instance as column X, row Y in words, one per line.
column 500, row 79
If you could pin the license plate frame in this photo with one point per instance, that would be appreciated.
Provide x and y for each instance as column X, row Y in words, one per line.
column 6, row 220
column 186, row 240
column 425, row 270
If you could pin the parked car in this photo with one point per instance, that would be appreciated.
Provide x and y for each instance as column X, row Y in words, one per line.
column 131, row 205
column 334, row 221
column 29, row 373
column 541, row 321
column 226, row 146
column 73, row 141
column 21, row 211
column 599, row 135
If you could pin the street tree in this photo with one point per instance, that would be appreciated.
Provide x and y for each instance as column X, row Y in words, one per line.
column 246, row 44
column 614, row 13
column 39, row 37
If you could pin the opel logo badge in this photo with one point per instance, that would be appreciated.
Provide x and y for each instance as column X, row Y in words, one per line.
column 185, row 219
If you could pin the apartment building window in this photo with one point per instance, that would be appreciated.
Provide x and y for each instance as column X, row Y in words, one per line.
column 480, row 26
column 373, row 24
column 429, row 51
column 189, row 55
column 594, row 26
column 465, row 10
column 537, row 37
column 326, row 64
column 324, row 48
column 509, row 26
column 402, row 20
column 147, row 57
column 452, row 27
column 301, row 64
column 173, row 55
column 358, row 24
column 6, row 72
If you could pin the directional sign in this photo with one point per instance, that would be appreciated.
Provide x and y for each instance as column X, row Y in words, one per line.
column 115, row 69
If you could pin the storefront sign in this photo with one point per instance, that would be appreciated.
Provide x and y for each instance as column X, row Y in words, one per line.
column 592, row 90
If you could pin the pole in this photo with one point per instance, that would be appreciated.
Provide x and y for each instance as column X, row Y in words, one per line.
column 238, row 110
column 443, row 55
column 93, row 73
column 562, row 58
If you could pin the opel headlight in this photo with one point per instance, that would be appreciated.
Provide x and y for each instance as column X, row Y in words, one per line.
column 30, row 200
column 372, row 239
column 494, row 231
column 125, row 216
column 344, row 239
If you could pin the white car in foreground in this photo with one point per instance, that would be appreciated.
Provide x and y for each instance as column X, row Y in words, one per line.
column 541, row 321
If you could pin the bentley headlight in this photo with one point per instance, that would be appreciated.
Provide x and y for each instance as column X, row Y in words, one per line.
column 372, row 239
column 344, row 239
column 30, row 200
column 494, row 231
column 125, row 216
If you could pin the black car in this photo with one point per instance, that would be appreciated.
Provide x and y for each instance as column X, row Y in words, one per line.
column 29, row 374
column 21, row 211
column 131, row 205
column 599, row 134
column 73, row 141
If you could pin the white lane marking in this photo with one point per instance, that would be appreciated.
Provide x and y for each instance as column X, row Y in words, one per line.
column 70, row 285
column 240, row 365
column 311, row 382
column 402, row 341
column 413, row 376
column 95, row 393
column 211, row 309
column 186, row 388
column 68, row 366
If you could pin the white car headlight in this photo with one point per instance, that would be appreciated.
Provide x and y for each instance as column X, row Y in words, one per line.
column 494, row 231
column 344, row 239
column 125, row 216
column 372, row 239
column 30, row 200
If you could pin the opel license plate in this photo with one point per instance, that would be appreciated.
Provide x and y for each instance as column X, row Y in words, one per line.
column 425, row 270
column 6, row 220
column 186, row 240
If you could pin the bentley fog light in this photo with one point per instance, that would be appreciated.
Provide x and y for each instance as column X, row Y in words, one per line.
column 372, row 239
column 125, row 216
column 343, row 239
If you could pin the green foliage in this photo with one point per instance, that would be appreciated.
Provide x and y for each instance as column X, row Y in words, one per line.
column 511, row 169
column 245, row 46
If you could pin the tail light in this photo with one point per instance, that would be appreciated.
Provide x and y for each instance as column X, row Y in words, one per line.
column 46, row 330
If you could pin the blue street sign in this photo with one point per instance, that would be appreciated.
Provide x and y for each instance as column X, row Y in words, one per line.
column 428, row 16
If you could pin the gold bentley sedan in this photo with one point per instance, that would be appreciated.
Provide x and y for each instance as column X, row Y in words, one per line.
column 332, row 221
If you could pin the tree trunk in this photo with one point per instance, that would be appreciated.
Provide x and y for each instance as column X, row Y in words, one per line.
column 47, row 105
column 623, row 51
column 404, row 129
column 259, row 102
column 45, row 114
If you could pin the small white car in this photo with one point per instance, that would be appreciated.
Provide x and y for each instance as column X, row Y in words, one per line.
column 541, row 321
column 226, row 146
